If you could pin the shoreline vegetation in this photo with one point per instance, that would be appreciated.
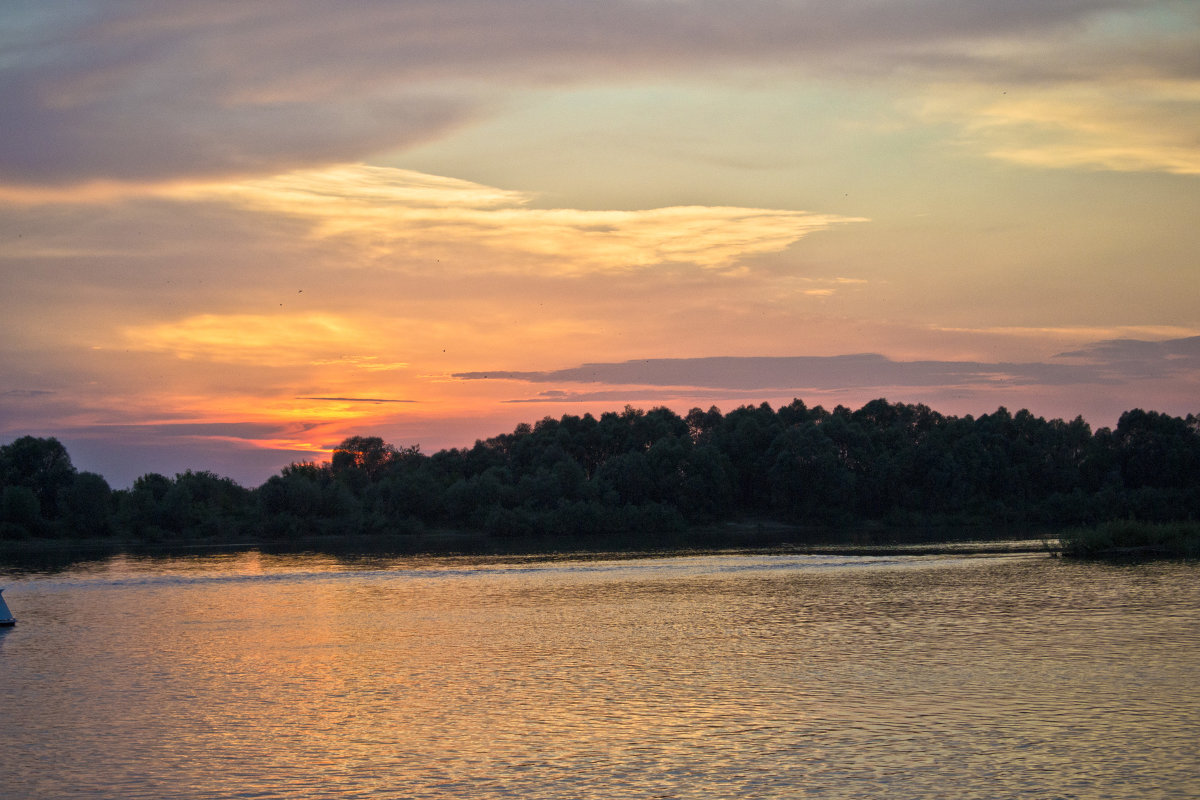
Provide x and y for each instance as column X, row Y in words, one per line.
column 1130, row 539
column 883, row 477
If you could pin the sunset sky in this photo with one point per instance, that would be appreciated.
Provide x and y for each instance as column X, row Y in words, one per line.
column 232, row 234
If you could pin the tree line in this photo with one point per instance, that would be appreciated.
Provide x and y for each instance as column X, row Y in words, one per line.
column 652, row 471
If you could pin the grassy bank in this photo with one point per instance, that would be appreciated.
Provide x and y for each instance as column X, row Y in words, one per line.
column 1133, row 539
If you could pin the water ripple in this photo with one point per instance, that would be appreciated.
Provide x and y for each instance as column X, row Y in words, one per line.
column 693, row 677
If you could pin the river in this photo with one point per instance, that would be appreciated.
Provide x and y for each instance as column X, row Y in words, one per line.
column 247, row 675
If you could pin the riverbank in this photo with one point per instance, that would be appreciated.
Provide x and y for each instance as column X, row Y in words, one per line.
column 761, row 536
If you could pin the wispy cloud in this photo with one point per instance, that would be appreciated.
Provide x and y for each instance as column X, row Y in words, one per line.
column 25, row 393
column 253, row 338
column 1105, row 363
column 223, row 430
column 1128, row 360
column 1083, row 334
column 393, row 212
column 357, row 399
column 798, row 372
column 367, row 363
column 1127, row 126
column 402, row 220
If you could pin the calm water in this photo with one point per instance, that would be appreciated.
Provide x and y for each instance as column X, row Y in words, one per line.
column 695, row 677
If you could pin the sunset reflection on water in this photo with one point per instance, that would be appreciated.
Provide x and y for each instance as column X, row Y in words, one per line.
column 768, row 676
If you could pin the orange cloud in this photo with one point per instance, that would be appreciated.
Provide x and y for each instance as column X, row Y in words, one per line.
column 278, row 340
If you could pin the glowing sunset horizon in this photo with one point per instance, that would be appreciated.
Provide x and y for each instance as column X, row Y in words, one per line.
column 232, row 238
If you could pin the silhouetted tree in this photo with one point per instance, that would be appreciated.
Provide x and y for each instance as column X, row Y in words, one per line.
column 41, row 465
column 369, row 455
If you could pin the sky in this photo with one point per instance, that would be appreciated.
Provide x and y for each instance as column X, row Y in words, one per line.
column 234, row 234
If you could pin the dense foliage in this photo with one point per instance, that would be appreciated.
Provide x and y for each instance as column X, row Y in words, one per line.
column 653, row 471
